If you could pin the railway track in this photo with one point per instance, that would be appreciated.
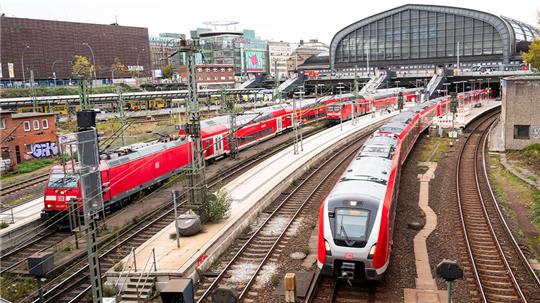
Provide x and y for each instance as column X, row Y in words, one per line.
column 254, row 256
column 10, row 189
column 73, row 284
column 41, row 242
column 500, row 270
column 330, row 290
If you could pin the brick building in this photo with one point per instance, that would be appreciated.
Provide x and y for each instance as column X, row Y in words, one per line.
column 520, row 114
column 212, row 76
column 27, row 136
column 47, row 48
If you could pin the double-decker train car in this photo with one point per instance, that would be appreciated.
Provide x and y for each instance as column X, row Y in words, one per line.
column 356, row 220
column 345, row 107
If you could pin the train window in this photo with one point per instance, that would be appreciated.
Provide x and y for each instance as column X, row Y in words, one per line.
column 26, row 125
column 351, row 224
column 45, row 123
column 63, row 181
column 2, row 123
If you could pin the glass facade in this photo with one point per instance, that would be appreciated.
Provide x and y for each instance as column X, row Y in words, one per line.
column 522, row 31
column 418, row 34
column 234, row 48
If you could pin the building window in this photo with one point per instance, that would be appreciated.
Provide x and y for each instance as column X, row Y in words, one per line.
column 28, row 148
column 36, row 124
column 2, row 123
column 26, row 125
column 45, row 123
column 521, row 131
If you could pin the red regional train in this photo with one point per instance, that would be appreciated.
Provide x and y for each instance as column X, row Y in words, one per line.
column 344, row 106
column 356, row 219
column 132, row 169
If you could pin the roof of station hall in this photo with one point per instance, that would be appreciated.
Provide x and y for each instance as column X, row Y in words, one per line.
column 512, row 31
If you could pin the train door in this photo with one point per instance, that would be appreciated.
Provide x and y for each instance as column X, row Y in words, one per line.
column 218, row 144
column 278, row 124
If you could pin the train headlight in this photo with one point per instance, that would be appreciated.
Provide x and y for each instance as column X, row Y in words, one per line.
column 372, row 251
column 327, row 248
column 49, row 205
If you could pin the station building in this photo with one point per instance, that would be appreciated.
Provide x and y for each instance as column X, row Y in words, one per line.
column 520, row 111
column 161, row 48
column 226, row 45
column 415, row 35
column 27, row 136
column 47, row 48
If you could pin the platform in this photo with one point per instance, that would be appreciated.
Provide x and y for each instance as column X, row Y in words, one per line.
column 477, row 111
column 22, row 215
column 250, row 193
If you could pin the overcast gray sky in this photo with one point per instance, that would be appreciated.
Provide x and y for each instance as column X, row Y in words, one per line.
column 287, row 20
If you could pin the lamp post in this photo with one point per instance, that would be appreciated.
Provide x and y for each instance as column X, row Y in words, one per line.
column 446, row 88
column 340, row 87
column 138, row 54
column 93, row 58
column 22, row 64
column 52, row 69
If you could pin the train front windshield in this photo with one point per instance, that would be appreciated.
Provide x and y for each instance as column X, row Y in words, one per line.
column 351, row 224
column 63, row 181
column 334, row 108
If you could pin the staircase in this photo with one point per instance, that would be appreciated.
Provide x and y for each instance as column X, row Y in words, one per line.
column 291, row 84
column 138, row 290
column 374, row 83
column 246, row 83
column 436, row 82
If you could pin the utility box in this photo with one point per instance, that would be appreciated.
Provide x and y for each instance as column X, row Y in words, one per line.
column 40, row 263
column 178, row 291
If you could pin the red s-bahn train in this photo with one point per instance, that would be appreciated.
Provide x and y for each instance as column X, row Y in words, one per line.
column 356, row 219
column 345, row 106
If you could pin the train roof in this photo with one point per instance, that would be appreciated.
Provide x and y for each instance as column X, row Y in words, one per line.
column 365, row 178
column 393, row 127
column 404, row 117
column 117, row 159
column 379, row 146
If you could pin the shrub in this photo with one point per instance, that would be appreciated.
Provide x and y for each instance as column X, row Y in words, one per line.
column 119, row 267
column 532, row 151
column 3, row 225
column 68, row 247
column 172, row 236
column 536, row 207
column 219, row 204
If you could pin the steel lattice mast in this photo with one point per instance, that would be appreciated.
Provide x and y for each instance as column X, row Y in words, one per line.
column 196, row 177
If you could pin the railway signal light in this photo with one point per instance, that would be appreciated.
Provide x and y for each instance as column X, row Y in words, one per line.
column 453, row 104
column 400, row 102
column 449, row 270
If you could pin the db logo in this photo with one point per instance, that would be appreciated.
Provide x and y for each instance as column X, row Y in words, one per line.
column 348, row 256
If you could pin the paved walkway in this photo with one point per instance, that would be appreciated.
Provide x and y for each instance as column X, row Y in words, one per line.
column 426, row 287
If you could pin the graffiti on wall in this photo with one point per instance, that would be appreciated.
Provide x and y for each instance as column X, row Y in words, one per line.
column 535, row 132
column 44, row 150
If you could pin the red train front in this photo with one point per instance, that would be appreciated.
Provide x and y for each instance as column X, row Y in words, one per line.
column 124, row 172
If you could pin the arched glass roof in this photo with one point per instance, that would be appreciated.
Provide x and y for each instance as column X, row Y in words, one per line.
column 523, row 31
